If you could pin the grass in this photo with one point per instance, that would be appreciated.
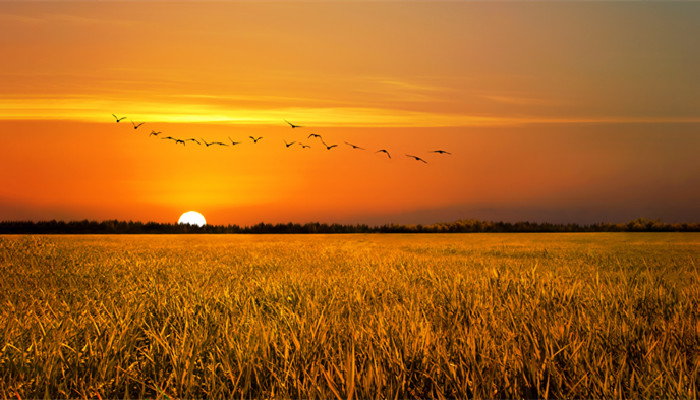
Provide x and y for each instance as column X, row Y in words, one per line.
column 613, row 315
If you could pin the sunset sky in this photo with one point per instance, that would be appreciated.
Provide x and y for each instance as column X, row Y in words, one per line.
column 553, row 111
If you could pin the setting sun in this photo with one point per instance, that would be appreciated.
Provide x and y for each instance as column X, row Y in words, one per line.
column 192, row 218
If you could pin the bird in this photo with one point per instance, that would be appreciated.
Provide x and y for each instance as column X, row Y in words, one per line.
column 383, row 151
column 169, row 137
column 441, row 152
column 292, row 125
column 303, row 146
column 254, row 139
column 136, row 126
column 353, row 146
column 154, row 133
column 177, row 141
column 117, row 118
column 417, row 158
column 220, row 143
column 288, row 144
column 232, row 142
column 194, row 140
column 314, row 135
column 329, row 147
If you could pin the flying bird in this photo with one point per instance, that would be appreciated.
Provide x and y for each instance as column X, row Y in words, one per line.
column 383, row 151
column 178, row 141
column 441, row 152
column 154, row 133
column 169, row 137
column 417, row 158
column 136, row 126
column 292, row 125
column 194, row 140
column 303, row 146
column 254, row 139
column 288, row 144
column 219, row 143
column 117, row 118
column 327, row 146
column 232, row 142
column 353, row 146
column 314, row 135
column 205, row 142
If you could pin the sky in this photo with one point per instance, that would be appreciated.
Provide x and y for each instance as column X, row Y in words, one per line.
column 562, row 112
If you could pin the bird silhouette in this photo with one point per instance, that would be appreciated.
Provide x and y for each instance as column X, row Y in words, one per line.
column 169, row 137
column 292, row 125
column 219, row 143
column 178, row 141
column 194, row 140
column 288, row 144
column 303, row 146
column 441, row 152
column 117, row 118
column 205, row 142
column 417, row 158
column 136, row 126
column 329, row 147
column 255, row 140
column 383, row 151
column 232, row 142
column 154, row 133
column 353, row 146
column 314, row 135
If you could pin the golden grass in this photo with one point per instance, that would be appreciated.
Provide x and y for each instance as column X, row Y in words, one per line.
column 342, row 316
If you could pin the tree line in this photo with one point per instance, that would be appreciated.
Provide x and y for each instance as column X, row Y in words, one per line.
column 460, row 226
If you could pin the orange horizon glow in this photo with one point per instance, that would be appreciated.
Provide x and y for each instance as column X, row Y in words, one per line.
column 571, row 112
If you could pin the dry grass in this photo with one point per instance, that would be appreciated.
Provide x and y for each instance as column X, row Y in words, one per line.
column 364, row 316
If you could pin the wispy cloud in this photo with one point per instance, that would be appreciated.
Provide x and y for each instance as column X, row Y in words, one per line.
column 519, row 100
column 61, row 18
column 92, row 109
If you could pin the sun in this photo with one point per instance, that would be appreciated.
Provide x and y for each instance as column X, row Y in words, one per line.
column 192, row 218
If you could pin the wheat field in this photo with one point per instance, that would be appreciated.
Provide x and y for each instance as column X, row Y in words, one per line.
column 613, row 315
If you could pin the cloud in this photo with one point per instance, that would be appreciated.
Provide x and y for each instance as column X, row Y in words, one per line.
column 219, row 110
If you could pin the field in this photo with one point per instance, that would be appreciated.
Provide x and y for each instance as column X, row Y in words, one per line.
column 613, row 315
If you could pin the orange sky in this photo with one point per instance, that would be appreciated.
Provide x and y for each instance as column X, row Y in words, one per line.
column 572, row 112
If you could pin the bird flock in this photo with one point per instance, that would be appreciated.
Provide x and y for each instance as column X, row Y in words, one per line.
column 312, row 136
